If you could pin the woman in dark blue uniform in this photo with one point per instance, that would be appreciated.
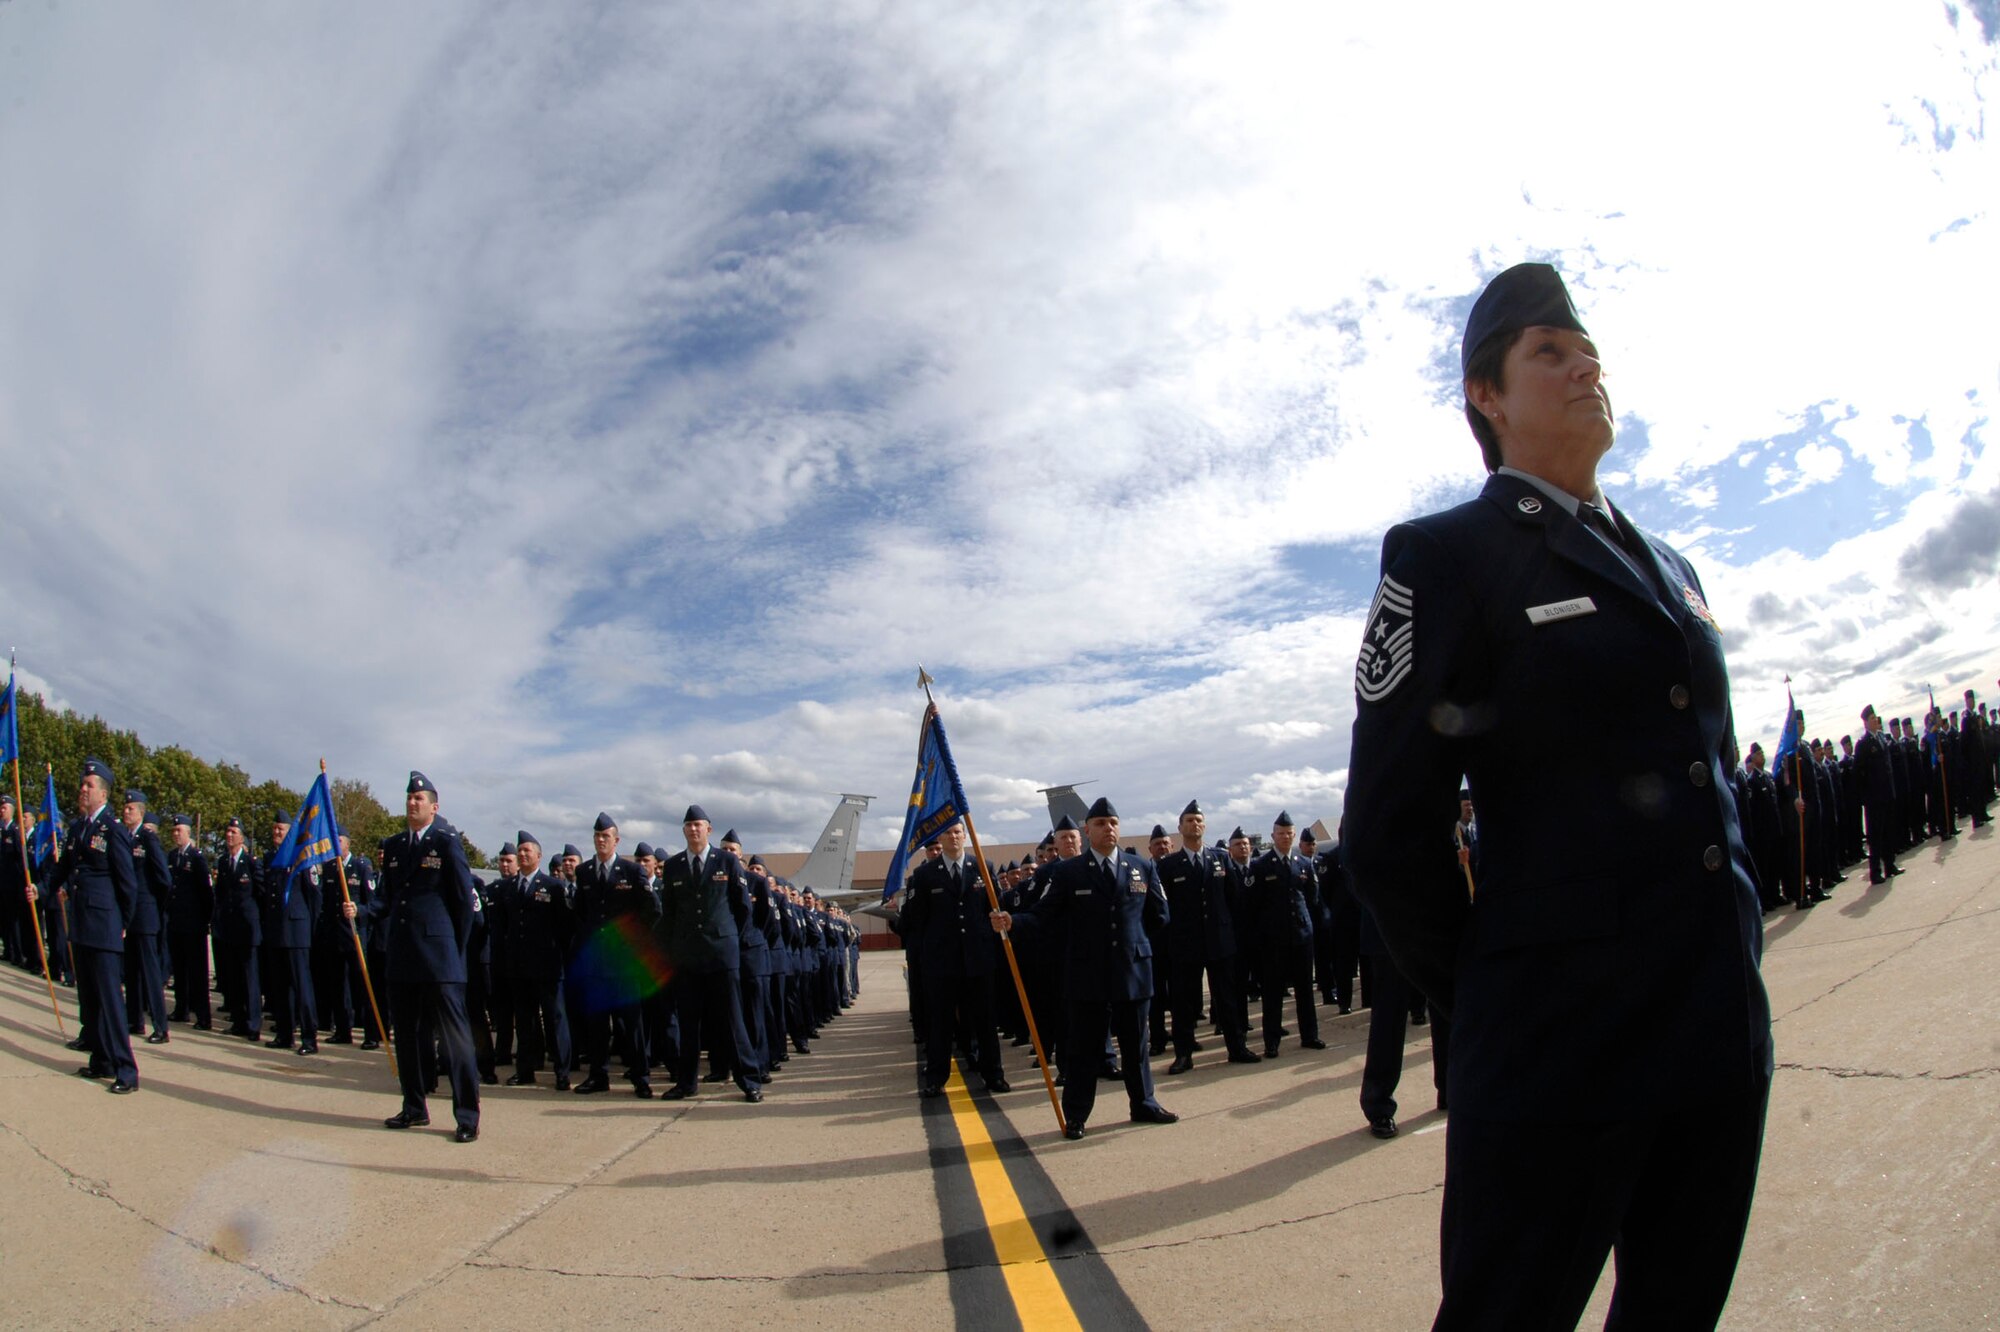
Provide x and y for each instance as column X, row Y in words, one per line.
column 1611, row 1046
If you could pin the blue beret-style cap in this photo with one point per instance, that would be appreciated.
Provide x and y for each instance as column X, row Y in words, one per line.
column 1239, row 836
column 604, row 822
column 1524, row 296
column 97, row 768
column 731, row 836
column 419, row 782
column 235, row 823
column 526, row 838
column 1193, row 807
column 1102, row 809
column 569, row 849
column 695, row 814
column 508, row 849
column 643, row 850
column 1284, row 819
column 757, row 860
column 1067, row 824
column 183, row 821
column 1159, row 830
column 134, row 796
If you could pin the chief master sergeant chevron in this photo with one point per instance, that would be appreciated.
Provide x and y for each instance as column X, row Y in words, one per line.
column 1611, row 1050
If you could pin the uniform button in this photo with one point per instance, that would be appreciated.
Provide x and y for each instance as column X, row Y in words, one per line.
column 1711, row 859
column 1698, row 773
column 1678, row 696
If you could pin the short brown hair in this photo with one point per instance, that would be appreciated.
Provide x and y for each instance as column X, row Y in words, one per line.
column 1488, row 365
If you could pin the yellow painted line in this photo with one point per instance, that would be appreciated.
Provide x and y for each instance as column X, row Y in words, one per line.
column 1038, row 1296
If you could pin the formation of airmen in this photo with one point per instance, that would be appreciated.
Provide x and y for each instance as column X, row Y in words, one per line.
column 1124, row 955
column 655, row 957
column 1821, row 810
column 1201, row 932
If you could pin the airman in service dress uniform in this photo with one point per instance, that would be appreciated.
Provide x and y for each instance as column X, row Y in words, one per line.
column 190, row 909
column 1612, row 1039
column 423, row 905
column 945, row 920
column 705, row 906
column 96, row 879
column 1201, row 923
column 532, row 933
column 145, row 982
column 1100, row 901
column 610, row 889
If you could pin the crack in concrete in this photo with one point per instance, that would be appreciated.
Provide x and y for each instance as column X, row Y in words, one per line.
column 473, row 1258
column 1256, row 1229
column 748, row 1278
column 1927, row 931
column 98, row 1188
column 1927, row 1075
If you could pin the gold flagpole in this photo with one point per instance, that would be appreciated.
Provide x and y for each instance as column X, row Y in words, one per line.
column 62, row 902
column 360, row 954
column 1006, row 943
column 28, row 873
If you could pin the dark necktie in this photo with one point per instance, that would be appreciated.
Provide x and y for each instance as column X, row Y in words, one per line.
column 1600, row 522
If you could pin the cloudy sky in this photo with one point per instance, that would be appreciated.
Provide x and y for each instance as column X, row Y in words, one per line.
column 610, row 406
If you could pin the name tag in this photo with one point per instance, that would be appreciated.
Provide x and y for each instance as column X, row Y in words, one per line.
column 720, row 876
column 1561, row 610
column 1083, row 892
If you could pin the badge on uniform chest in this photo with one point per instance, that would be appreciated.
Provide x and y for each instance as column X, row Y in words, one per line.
column 97, row 842
column 1561, row 610
column 432, row 861
column 1137, row 883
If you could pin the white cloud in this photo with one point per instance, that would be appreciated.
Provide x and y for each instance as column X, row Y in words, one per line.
column 618, row 411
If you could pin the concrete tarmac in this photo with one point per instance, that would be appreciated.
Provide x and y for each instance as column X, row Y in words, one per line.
column 245, row 1187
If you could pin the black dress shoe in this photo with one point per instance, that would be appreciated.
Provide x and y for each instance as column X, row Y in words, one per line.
column 996, row 1085
column 1112, row 1071
column 121, row 1087
column 204, row 1026
column 643, row 1090
column 308, row 1049
column 562, row 1083
column 1194, row 1047
column 139, row 1030
column 1157, row 1048
column 521, row 1080
column 714, row 1076
column 1245, row 1057
column 1059, row 1080
column 1270, row 1052
column 930, row 1091
column 465, row 1133
column 78, row 1044
column 485, row 1079
column 157, row 1038
column 177, row 1017
column 1314, row 1044
column 1345, row 1009
column 1382, row 1128
column 1181, row 1064
column 677, row 1093
column 801, row 1047
column 753, row 1093
column 1073, row 1131
column 345, row 1038
column 371, row 1044
column 1154, row 1114
column 591, row 1086
column 277, row 1044
column 407, row 1119
column 88, row 1072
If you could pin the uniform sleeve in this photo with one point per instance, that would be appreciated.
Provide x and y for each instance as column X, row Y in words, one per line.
column 458, row 880
column 124, row 874
column 649, row 901
column 1156, row 899
column 1417, row 694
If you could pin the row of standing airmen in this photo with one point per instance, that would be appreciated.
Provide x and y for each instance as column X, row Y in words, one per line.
column 1115, row 971
column 659, row 956
column 1820, row 810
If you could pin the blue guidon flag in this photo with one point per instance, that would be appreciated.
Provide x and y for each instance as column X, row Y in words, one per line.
column 1388, row 644
column 936, row 801
column 314, row 838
